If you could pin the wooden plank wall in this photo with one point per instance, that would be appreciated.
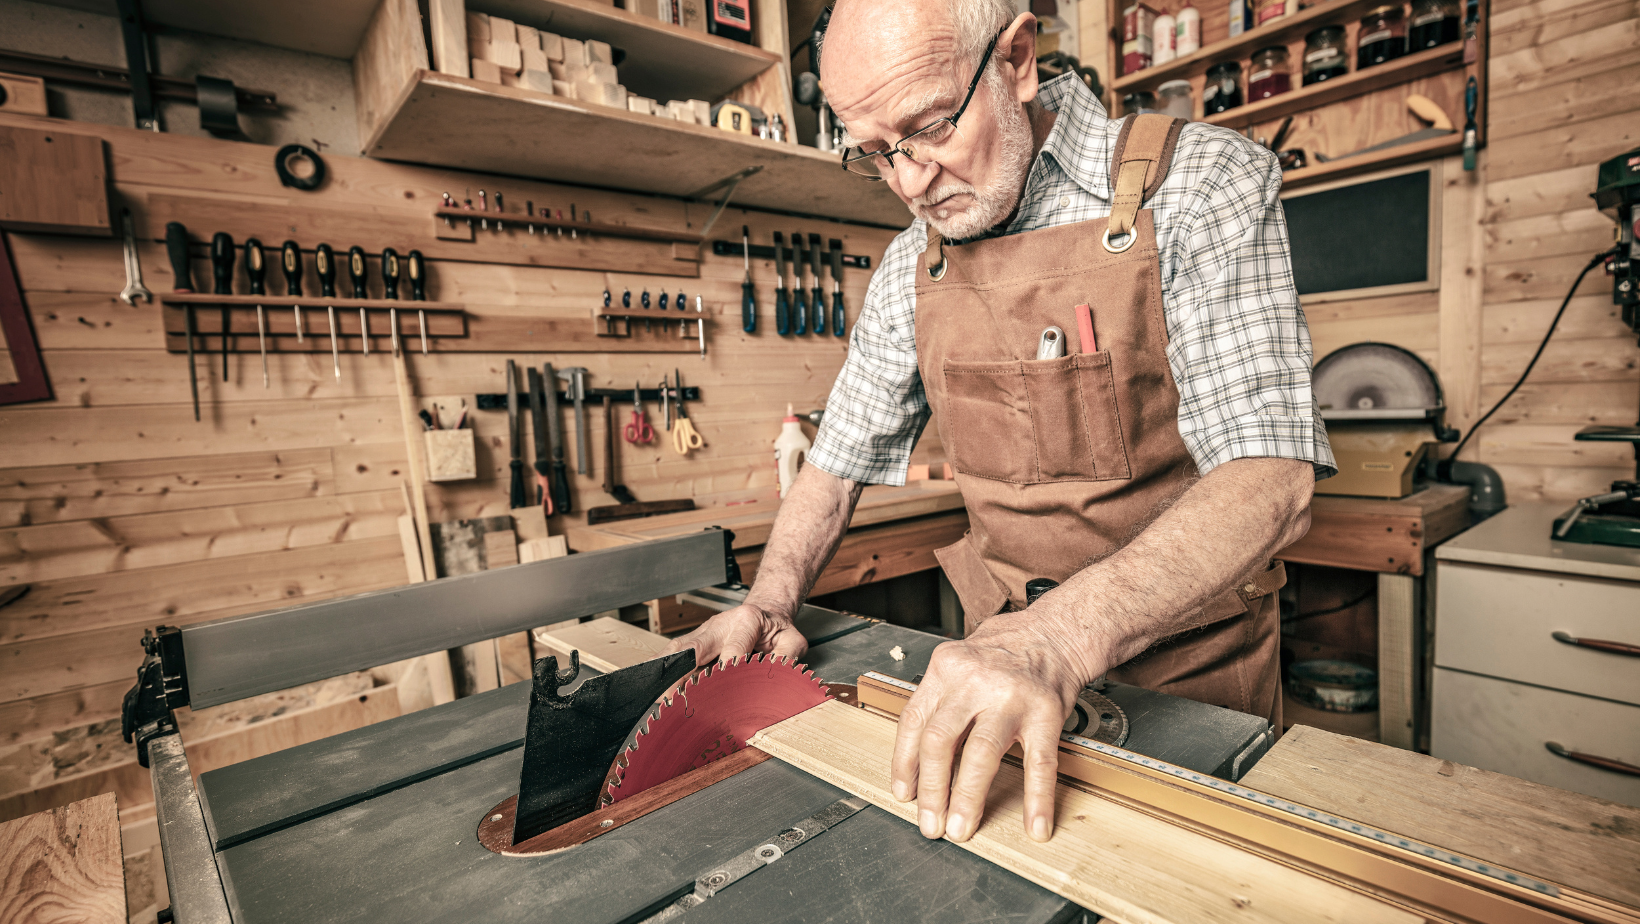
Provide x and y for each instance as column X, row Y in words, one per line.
column 123, row 513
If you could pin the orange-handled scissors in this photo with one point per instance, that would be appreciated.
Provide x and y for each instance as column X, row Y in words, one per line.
column 638, row 430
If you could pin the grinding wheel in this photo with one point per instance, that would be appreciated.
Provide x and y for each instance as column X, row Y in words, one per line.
column 1374, row 376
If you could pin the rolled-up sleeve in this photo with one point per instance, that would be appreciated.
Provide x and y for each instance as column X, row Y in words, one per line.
column 1238, row 344
column 877, row 409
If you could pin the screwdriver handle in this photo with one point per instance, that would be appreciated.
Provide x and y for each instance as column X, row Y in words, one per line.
column 290, row 263
column 748, row 306
column 817, row 301
column 416, row 268
column 222, row 255
column 837, row 317
column 356, row 270
column 324, row 263
column 782, row 312
column 256, row 266
column 390, row 270
column 560, row 487
column 800, row 307
column 176, row 247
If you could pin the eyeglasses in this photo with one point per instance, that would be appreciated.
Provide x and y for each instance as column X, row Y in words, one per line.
column 922, row 145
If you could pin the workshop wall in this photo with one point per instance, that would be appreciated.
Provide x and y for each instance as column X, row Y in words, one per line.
column 122, row 512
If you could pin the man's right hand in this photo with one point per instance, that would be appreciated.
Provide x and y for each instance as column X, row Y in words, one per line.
column 746, row 629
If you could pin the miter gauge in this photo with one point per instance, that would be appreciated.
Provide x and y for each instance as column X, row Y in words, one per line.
column 708, row 716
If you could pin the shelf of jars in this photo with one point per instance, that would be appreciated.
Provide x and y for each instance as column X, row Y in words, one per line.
column 1343, row 70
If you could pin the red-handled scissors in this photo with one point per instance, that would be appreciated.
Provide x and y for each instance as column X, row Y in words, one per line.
column 638, row 430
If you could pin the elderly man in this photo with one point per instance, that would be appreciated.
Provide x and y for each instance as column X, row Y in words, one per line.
column 1146, row 476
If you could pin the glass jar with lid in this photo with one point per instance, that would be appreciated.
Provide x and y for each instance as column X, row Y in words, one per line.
column 1434, row 22
column 1324, row 56
column 1269, row 73
column 1139, row 101
column 1173, row 98
column 1222, row 91
column 1383, row 36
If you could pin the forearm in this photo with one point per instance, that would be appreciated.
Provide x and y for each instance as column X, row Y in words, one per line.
column 1224, row 526
column 811, row 523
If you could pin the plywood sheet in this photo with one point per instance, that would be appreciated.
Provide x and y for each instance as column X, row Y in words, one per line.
column 63, row 865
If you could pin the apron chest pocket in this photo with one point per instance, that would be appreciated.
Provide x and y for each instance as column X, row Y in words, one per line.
column 1035, row 421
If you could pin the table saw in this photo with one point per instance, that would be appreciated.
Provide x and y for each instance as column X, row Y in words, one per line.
column 381, row 823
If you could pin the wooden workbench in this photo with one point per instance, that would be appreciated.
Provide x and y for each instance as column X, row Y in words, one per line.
column 895, row 531
column 1396, row 539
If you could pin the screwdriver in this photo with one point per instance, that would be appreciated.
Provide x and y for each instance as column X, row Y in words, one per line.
column 290, row 262
column 222, row 254
column 176, row 247
column 417, row 268
column 800, row 306
column 782, row 308
column 356, row 271
column 645, row 301
column 817, row 297
column 837, row 317
column 390, row 287
column 255, row 268
column 748, row 296
column 324, row 262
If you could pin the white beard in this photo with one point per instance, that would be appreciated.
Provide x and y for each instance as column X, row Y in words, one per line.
column 988, row 206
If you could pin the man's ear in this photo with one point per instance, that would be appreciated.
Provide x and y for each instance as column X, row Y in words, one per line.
column 1017, row 47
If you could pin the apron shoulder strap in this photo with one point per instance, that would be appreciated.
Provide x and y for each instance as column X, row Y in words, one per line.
column 1139, row 164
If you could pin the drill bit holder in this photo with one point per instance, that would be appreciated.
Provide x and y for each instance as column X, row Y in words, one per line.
column 474, row 224
column 445, row 320
column 619, row 323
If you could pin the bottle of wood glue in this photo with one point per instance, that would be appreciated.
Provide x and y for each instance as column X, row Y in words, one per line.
column 791, row 444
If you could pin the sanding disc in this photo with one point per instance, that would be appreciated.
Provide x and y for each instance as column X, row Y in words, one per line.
column 1374, row 376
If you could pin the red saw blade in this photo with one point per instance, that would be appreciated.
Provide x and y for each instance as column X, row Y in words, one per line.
column 711, row 715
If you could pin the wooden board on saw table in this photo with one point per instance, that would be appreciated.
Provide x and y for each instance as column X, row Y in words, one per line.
column 64, row 864
column 1105, row 855
column 1564, row 837
column 606, row 644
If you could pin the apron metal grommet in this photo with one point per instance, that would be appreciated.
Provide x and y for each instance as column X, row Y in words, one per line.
column 1131, row 238
column 937, row 271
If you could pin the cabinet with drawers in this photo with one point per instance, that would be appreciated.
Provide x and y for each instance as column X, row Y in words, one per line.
column 1527, row 678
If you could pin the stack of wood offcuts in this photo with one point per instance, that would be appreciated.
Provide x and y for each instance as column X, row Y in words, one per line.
column 516, row 55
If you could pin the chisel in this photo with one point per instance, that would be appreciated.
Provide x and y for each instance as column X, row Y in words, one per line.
column 255, row 269
column 837, row 316
column 558, row 478
column 222, row 255
column 324, row 262
column 356, row 272
column 515, row 441
column 576, row 376
column 817, row 296
column 538, row 430
column 290, row 261
column 748, row 296
column 416, row 266
column 390, row 288
column 800, row 302
column 782, row 307
column 176, row 247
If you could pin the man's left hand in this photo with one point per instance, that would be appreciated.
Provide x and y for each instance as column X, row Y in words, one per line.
column 1013, row 680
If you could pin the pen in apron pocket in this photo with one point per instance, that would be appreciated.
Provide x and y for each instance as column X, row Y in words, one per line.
column 1084, row 327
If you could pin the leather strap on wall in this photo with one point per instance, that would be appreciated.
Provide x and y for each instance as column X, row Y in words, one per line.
column 1139, row 164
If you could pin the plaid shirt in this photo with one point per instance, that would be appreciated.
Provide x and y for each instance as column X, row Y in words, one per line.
column 1237, row 342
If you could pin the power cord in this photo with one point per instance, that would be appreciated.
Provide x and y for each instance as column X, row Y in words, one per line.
column 1595, row 261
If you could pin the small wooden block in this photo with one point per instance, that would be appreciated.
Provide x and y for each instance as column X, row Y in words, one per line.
column 529, row 522
column 503, row 30
column 641, row 104
column 575, row 52
column 534, row 59
column 703, row 111
column 528, row 36
column 450, row 455
column 64, row 865
column 604, row 94
column 485, row 70
column 552, row 45
column 478, row 27
column 542, row 549
column 599, row 53
column 506, row 55
column 538, row 80
column 606, row 644
column 564, row 88
column 500, row 549
column 23, row 95
column 597, row 71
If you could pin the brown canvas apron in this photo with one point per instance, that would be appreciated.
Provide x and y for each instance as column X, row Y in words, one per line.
column 1063, row 461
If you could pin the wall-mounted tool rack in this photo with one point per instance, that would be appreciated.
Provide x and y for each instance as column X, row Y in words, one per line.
column 766, row 252
column 619, row 323
column 464, row 224
column 497, row 401
column 446, row 322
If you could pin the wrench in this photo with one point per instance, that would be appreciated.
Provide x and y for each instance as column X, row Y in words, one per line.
column 134, row 289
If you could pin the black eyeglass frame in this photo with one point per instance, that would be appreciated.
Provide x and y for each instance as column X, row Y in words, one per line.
column 973, row 85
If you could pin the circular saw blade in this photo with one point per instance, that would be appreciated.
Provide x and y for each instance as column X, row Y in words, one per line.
column 708, row 716
column 1096, row 716
column 1371, row 376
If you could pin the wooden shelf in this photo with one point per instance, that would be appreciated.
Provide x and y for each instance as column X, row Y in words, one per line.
column 325, row 27
column 1378, row 160
column 1240, row 47
column 467, row 124
column 662, row 61
column 1401, row 70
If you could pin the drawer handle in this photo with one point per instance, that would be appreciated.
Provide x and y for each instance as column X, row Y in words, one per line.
column 1621, row 648
column 1604, row 763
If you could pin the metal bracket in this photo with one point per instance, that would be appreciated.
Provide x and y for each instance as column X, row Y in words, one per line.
column 135, row 32
column 162, row 686
column 731, row 181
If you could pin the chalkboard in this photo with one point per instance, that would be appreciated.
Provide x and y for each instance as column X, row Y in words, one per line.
column 1361, row 236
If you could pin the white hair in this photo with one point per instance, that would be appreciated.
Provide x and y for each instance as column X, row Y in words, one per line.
column 977, row 23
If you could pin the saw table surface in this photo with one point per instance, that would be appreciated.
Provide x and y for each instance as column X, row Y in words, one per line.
column 381, row 824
